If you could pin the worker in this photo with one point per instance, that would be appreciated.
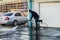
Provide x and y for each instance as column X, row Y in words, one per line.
column 36, row 17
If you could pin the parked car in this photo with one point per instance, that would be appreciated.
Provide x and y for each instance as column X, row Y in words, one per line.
column 12, row 18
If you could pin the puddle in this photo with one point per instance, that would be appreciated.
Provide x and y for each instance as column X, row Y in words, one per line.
column 21, row 33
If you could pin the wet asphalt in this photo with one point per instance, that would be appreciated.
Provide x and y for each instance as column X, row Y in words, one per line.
column 21, row 33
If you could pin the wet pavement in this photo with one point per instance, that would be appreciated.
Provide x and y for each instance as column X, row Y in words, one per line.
column 49, row 33
column 21, row 33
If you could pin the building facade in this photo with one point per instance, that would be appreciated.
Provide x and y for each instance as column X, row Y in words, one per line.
column 7, row 6
column 49, row 11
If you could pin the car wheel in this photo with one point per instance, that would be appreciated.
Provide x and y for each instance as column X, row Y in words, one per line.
column 3, row 24
column 15, row 23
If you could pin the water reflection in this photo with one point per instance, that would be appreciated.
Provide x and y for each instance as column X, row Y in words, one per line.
column 21, row 33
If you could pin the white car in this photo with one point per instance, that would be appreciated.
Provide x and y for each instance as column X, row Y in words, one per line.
column 13, row 18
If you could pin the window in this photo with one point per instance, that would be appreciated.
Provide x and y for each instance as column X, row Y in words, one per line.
column 17, row 14
column 7, row 14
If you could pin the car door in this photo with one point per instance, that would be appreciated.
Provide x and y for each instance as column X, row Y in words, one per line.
column 24, row 18
column 18, row 17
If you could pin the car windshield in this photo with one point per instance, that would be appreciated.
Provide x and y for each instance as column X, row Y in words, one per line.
column 7, row 14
